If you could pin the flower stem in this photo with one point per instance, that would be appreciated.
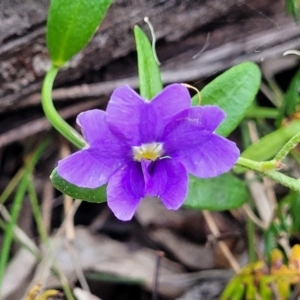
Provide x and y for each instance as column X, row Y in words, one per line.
column 51, row 113
column 285, row 150
column 260, row 167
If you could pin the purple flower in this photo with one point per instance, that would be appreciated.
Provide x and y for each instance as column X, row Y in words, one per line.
column 143, row 148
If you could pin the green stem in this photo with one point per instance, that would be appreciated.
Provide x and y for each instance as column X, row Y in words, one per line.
column 261, row 112
column 246, row 139
column 3, row 225
column 44, row 237
column 251, row 240
column 52, row 115
column 12, row 185
column 8, row 237
column 35, row 252
column 16, row 207
column 64, row 282
column 285, row 180
column 261, row 167
column 285, row 150
column 36, row 211
column 19, row 236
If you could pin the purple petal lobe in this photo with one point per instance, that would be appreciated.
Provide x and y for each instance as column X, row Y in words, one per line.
column 86, row 171
column 104, row 144
column 93, row 166
column 93, row 125
column 148, row 124
column 168, row 181
column 139, row 121
column 205, row 117
column 124, row 113
column 161, row 110
column 203, row 154
column 125, row 189
column 172, row 100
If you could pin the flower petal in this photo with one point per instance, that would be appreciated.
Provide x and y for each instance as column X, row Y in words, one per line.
column 203, row 154
column 138, row 121
column 125, row 189
column 103, row 143
column 206, row 118
column 124, row 113
column 85, row 170
column 168, row 181
column 93, row 125
column 169, row 102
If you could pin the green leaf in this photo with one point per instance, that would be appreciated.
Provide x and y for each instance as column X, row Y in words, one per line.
column 97, row 195
column 290, row 205
column 294, row 210
column 291, row 99
column 219, row 193
column 70, row 26
column 293, row 8
column 234, row 290
column 149, row 73
column 234, row 92
column 270, row 237
column 268, row 146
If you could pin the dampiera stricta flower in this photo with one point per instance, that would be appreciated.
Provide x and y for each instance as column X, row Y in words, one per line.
column 147, row 148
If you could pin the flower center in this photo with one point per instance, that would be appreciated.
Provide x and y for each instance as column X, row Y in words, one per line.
column 150, row 151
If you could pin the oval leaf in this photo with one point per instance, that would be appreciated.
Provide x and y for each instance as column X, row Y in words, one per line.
column 70, row 26
column 234, row 92
column 219, row 193
column 149, row 74
column 97, row 195
column 268, row 146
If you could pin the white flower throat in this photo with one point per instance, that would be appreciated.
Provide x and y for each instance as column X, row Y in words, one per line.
column 151, row 151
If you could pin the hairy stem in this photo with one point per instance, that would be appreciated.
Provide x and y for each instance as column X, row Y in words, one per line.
column 290, row 145
column 259, row 167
